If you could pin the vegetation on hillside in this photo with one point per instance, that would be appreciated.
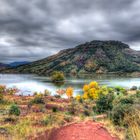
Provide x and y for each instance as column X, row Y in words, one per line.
column 91, row 57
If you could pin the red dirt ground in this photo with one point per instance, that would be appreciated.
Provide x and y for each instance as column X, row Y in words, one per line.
column 80, row 131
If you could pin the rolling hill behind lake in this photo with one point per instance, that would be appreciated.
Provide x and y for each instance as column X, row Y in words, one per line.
column 91, row 57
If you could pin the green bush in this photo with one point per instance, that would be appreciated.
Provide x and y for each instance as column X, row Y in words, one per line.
column 38, row 99
column 54, row 109
column 2, row 89
column 118, row 113
column 121, row 107
column 1, row 97
column 47, row 93
column 72, row 108
column 86, row 112
column 120, row 90
column 126, row 100
column 134, row 88
column 57, row 76
column 14, row 110
column 104, row 103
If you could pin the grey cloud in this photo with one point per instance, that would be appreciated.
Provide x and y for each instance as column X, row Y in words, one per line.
column 31, row 30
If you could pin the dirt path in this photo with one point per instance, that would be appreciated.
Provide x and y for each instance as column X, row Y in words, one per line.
column 81, row 131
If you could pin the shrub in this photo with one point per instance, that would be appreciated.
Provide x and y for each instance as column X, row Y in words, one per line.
column 122, row 106
column 134, row 88
column 47, row 93
column 126, row 100
column 72, row 108
column 11, row 91
column 118, row 113
column 38, row 99
column 69, row 92
column 120, row 90
column 60, row 92
column 68, row 118
column 93, row 91
column 104, row 103
column 10, row 119
column 57, row 96
column 86, row 112
column 49, row 120
column 14, row 110
column 57, row 76
column 2, row 89
column 1, row 97
column 54, row 109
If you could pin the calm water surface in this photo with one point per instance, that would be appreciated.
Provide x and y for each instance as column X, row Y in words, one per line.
column 28, row 84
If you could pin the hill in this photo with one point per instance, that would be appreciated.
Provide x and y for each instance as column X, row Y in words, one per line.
column 3, row 66
column 15, row 64
column 91, row 57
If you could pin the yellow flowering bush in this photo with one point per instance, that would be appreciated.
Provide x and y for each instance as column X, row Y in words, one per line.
column 92, row 91
column 78, row 97
column 85, row 88
column 69, row 92
column 85, row 95
column 93, row 84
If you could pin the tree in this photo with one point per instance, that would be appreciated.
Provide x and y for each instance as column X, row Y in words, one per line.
column 57, row 76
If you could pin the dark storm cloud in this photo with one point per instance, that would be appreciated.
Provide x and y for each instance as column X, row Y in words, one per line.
column 33, row 29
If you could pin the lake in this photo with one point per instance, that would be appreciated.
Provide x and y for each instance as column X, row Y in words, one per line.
column 28, row 84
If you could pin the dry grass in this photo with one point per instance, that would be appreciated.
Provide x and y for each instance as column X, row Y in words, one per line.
column 115, row 131
column 133, row 121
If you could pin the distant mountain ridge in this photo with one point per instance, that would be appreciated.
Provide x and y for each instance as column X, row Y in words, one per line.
column 18, row 63
column 3, row 66
column 91, row 57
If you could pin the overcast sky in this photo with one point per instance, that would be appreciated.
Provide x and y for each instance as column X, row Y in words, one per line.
column 34, row 29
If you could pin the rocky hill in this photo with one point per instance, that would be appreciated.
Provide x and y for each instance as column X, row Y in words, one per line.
column 91, row 57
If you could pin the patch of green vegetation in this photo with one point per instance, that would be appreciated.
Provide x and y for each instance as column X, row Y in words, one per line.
column 104, row 103
column 57, row 76
column 38, row 99
column 14, row 110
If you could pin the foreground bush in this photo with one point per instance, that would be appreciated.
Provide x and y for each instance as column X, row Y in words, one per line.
column 57, row 76
column 104, row 103
column 122, row 106
column 14, row 110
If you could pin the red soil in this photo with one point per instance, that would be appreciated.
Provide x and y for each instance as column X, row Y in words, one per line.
column 79, row 131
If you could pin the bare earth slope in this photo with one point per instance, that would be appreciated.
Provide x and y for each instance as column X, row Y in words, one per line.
column 79, row 131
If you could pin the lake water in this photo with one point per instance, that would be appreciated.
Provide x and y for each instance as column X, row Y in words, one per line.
column 28, row 84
